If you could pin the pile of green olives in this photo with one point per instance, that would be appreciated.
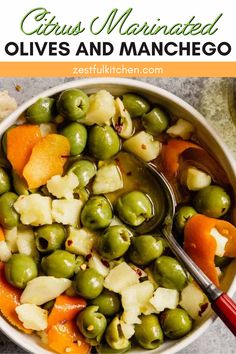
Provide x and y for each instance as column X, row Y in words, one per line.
column 110, row 221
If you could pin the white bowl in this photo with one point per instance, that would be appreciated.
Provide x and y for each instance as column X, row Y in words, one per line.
column 207, row 137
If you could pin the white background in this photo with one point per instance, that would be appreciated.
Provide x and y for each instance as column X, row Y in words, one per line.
column 68, row 12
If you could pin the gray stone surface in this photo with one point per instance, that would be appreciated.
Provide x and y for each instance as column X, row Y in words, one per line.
column 211, row 97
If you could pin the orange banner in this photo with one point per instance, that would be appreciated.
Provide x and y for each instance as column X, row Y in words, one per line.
column 118, row 69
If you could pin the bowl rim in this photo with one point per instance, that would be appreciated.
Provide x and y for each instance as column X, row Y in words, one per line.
column 152, row 89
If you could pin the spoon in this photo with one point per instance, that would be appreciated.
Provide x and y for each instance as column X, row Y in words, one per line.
column 221, row 303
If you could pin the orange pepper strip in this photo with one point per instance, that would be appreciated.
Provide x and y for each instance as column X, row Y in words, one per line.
column 47, row 159
column 65, row 308
column 2, row 236
column 20, row 142
column 228, row 230
column 9, row 300
column 171, row 152
column 65, row 338
column 200, row 245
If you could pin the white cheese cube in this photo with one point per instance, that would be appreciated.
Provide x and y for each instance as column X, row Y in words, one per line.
column 63, row 187
column 220, row 242
column 181, row 129
column 32, row 316
column 34, row 209
column 101, row 108
column 66, row 212
column 43, row 289
column 143, row 145
column 192, row 299
column 5, row 253
column 108, row 179
column 165, row 299
column 96, row 263
column 26, row 241
column 121, row 277
column 196, row 179
column 135, row 299
column 11, row 238
column 80, row 241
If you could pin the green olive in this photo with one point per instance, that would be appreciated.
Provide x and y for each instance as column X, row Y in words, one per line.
column 8, row 216
column 5, row 184
column 19, row 185
column 148, row 333
column 169, row 273
column 42, row 111
column 59, row 264
column 50, row 237
column 108, row 303
column 114, row 242
column 156, row 121
column 182, row 216
column 103, row 142
column 144, row 249
column 135, row 105
column 20, row 269
column 175, row 323
column 163, row 241
column 76, row 133
column 212, row 201
column 96, row 213
column 89, row 283
column 134, row 208
column 84, row 170
column 114, row 336
column 73, row 104
column 92, row 324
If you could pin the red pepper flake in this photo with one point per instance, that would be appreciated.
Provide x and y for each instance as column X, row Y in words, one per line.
column 202, row 309
column 105, row 263
column 88, row 257
column 139, row 272
column 129, row 173
column 69, row 242
column 144, row 147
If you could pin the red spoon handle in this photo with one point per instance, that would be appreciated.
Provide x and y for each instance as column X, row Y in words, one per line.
column 225, row 308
